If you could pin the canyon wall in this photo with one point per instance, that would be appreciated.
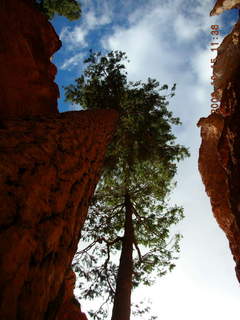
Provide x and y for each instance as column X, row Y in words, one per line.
column 49, row 166
column 219, row 157
column 27, row 41
column 222, row 5
column 49, row 169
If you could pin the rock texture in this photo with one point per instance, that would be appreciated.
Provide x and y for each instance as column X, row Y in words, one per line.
column 27, row 43
column 219, row 158
column 222, row 5
column 49, row 168
column 227, row 66
column 70, row 307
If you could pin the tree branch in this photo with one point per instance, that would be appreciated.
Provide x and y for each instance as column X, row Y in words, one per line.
column 85, row 250
column 137, row 215
column 110, row 243
column 106, row 270
column 138, row 251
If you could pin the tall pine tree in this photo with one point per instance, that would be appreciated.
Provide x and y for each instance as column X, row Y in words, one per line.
column 130, row 213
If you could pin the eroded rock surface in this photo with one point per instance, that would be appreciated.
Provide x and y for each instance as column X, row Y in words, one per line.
column 70, row 307
column 219, row 158
column 49, row 168
column 27, row 75
column 227, row 66
column 222, row 5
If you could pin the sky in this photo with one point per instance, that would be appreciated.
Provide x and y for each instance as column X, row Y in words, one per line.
column 169, row 41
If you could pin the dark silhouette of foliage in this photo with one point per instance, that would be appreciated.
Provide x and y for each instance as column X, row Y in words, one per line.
column 68, row 8
column 129, row 214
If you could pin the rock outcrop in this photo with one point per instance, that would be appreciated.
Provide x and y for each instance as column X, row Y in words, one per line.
column 222, row 5
column 49, row 168
column 70, row 307
column 219, row 158
column 28, row 41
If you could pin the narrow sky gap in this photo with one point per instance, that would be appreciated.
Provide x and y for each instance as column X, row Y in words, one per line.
column 169, row 41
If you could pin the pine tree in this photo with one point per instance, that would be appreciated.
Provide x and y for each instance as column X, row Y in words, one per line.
column 68, row 8
column 130, row 213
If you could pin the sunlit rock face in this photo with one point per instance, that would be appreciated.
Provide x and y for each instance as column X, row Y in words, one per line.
column 227, row 65
column 219, row 158
column 27, row 75
column 49, row 169
column 222, row 5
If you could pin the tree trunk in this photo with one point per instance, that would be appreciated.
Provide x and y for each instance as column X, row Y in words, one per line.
column 122, row 299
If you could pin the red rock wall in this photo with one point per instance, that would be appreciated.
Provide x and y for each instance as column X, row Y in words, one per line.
column 222, row 5
column 219, row 157
column 49, row 168
column 27, row 42
column 49, row 164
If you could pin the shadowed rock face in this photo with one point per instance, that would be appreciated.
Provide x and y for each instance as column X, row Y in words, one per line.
column 27, row 75
column 219, row 157
column 49, row 166
column 69, row 309
column 49, row 169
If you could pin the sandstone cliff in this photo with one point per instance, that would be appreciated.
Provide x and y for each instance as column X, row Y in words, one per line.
column 49, row 163
column 219, row 158
column 49, row 169
column 222, row 5
column 28, row 41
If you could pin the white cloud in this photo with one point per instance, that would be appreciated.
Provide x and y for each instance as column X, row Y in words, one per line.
column 201, row 65
column 74, row 37
column 92, row 18
column 171, row 43
column 185, row 28
column 71, row 62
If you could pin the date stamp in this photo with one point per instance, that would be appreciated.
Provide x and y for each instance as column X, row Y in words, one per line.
column 215, row 33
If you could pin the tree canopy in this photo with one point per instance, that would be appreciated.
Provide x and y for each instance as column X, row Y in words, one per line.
column 130, row 213
column 68, row 8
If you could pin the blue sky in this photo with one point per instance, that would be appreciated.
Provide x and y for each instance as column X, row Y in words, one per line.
column 101, row 21
column 169, row 41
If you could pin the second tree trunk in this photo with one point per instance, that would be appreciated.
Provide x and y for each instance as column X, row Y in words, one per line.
column 122, row 299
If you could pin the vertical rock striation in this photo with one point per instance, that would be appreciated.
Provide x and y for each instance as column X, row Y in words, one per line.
column 49, row 168
column 219, row 157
